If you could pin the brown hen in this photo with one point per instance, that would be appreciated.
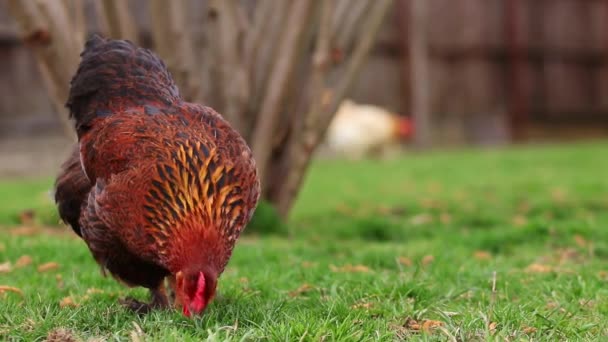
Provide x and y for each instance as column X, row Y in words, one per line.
column 157, row 187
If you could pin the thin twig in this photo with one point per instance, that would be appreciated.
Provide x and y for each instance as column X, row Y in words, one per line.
column 264, row 52
column 492, row 297
column 349, row 26
column 299, row 17
column 42, row 25
column 304, row 132
column 232, row 68
column 331, row 100
column 121, row 24
column 419, row 62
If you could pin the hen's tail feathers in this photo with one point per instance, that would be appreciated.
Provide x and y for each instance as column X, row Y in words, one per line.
column 114, row 75
column 71, row 190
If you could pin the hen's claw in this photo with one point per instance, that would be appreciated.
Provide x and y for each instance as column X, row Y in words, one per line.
column 159, row 301
column 135, row 305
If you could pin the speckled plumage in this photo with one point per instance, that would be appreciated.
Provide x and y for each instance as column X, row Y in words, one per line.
column 162, row 184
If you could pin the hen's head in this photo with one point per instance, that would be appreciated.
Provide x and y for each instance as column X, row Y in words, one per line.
column 405, row 128
column 194, row 290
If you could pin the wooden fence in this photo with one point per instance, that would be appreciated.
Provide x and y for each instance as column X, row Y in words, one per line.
column 497, row 69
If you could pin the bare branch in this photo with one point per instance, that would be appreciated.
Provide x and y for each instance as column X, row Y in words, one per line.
column 265, row 51
column 340, row 13
column 330, row 102
column 371, row 26
column 299, row 16
column 228, row 52
column 121, row 24
column 347, row 24
column 304, row 135
column 43, row 24
column 76, row 12
column 174, row 44
column 56, row 15
column 420, row 71
column 261, row 21
column 32, row 24
column 102, row 19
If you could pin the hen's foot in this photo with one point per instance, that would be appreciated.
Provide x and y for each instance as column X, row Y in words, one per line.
column 135, row 305
column 159, row 301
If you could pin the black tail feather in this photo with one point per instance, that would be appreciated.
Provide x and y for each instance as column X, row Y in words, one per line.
column 114, row 75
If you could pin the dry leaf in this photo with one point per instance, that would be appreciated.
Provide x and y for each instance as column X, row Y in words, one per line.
column 469, row 207
column 603, row 274
column 97, row 339
column 434, row 187
column 523, row 207
column 350, row 268
column 137, row 334
column 302, row 289
column 6, row 288
column 425, row 325
column 412, row 324
column 394, row 211
column 49, row 266
column 492, row 327
column 482, row 255
column 421, row 219
column 519, row 220
column 405, row 261
column 93, row 290
column 308, row 264
column 445, row 218
column 6, row 267
column 363, row 305
column 528, row 330
column 568, row 254
column 428, row 325
column 580, row 241
column 559, row 195
column 23, row 261
column 61, row 335
column 243, row 280
column 467, row 295
column 59, row 280
column 539, row 268
column 67, row 301
column 428, row 259
column 344, row 209
column 26, row 217
column 429, row 203
column 24, row 231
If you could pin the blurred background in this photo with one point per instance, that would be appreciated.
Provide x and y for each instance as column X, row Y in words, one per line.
column 409, row 152
column 498, row 72
column 438, row 72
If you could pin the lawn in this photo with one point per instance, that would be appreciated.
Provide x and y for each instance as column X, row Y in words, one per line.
column 463, row 245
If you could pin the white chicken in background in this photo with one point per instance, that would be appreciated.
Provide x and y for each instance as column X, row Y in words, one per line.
column 360, row 130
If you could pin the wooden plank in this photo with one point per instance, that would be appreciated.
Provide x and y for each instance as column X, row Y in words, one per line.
column 419, row 61
column 517, row 100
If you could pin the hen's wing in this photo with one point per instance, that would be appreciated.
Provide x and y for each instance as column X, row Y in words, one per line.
column 71, row 189
column 174, row 181
column 109, row 250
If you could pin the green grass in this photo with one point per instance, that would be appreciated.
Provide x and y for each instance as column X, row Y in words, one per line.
column 476, row 212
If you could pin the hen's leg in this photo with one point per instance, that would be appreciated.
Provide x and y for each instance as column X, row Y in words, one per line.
column 158, row 297
column 171, row 288
column 111, row 253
